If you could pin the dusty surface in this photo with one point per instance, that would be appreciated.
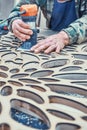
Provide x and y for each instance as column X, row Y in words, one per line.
column 52, row 87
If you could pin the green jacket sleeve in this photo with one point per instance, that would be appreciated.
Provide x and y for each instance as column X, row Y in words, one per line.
column 77, row 31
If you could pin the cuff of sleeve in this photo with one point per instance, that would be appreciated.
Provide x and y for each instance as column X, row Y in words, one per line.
column 71, row 32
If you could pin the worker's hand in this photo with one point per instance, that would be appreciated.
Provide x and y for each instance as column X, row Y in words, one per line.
column 53, row 43
column 21, row 30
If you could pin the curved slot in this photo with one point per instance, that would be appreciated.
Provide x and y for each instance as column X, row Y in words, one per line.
column 4, row 126
column 15, row 83
column 29, row 81
column 48, row 79
column 80, row 56
column 71, row 68
column 12, row 63
column 29, row 56
column 37, row 88
column 68, row 90
column 2, row 83
column 31, row 65
column 54, row 63
column 4, row 68
column 30, row 95
column 15, row 70
column 84, row 118
column 80, row 82
column 78, row 62
column 30, row 70
column 3, row 75
column 29, row 115
column 66, row 126
column 19, row 75
column 68, row 102
column 42, row 73
column 19, row 60
column 9, row 56
column 6, row 91
column 60, row 114
column 72, row 76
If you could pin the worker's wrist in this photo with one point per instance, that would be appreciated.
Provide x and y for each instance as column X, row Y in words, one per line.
column 65, row 37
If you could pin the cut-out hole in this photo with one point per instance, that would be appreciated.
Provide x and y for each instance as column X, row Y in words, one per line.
column 78, row 62
column 16, row 70
column 68, row 90
column 30, row 95
column 2, row 83
column 37, row 88
column 84, row 118
column 30, row 65
column 9, row 56
column 29, row 115
column 18, row 60
column 65, row 126
column 48, row 79
column 29, row 56
column 80, row 82
column 72, row 76
column 54, row 63
column 4, row 68
column 80, row 56
column 6, row 91
column 71, row 68
column 60, row 114
column 15, row 83
column 42, row 73
column 3, row 75
column 19, row 75
column 68, row 102
column 30, row 70
column 4, row 126
column 29, row 81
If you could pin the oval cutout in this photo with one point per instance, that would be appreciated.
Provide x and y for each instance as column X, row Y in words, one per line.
column 4, row 126
column 68, row 102
column 4, row 68
column 19, row 75
column 29, row 115
column 29, row 81
column 54, row 63
column 3, row 75
column 7, row 90
column 15, row 83
column 30, row 95
column 42, row 73
column 60, row 114
column 66, row 126
column 72, row 76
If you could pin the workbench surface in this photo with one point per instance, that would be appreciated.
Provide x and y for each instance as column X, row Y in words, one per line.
column 51, row 87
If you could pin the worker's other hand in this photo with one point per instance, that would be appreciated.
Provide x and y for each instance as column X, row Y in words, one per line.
column 21, row 30
column 53, row 43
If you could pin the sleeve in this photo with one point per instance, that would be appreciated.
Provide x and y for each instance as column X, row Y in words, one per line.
column 77, row 31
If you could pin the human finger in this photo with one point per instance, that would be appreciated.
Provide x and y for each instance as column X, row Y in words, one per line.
column 50, row 49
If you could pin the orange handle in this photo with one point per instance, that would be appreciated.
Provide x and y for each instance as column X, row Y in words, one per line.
column 31, row 9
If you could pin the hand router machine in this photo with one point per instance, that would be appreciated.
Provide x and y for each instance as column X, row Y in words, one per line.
column 30, row 18
column 28, row 13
